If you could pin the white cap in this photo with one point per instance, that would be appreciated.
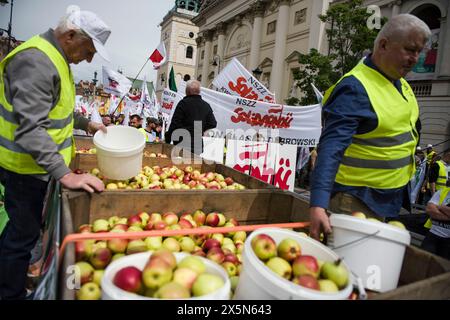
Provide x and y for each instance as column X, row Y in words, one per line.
column 429, row 145
column 419, row 148
column 94, row 27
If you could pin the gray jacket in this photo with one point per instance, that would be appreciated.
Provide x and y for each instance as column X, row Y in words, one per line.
column 32, row 86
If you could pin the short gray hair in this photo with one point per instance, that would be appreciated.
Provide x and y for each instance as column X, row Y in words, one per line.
column 398, row 26
column 65, row 25
column 193, row 87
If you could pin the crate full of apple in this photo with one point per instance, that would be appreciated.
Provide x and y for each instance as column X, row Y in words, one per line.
column 166, row 275
column 224, row 249
column 287, row 261
column 172, row 178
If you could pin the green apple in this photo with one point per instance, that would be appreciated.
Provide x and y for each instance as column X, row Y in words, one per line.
column 206, row 283
column 187, row 244
column 136, row 246
column 156, row 273
column 336, row 272
column 194, row 263
column 280, row 267
column 153, row 243
column 264, row 246
column 327, row 286
column 289, row 249
column 185, row 277
column 171, row 244
column 172, row 290
column 89, row 291
column 397, row 224
column 97, row 277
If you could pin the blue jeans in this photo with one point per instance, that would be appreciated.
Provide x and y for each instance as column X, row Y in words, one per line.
column 24, row 200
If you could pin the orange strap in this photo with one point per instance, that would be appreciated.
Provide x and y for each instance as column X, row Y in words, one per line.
column 75, row 237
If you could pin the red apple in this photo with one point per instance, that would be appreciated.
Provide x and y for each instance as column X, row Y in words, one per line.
column 135, row 221
column 85, row 228
column 199, row 217
column 231, row 257
column 229, row 181
column 212, row 219
column 216, row 254
column 211, row 243
column 118, row 245
column 306, row 265
column 165, row 255
column 185, row 224
column 307, row 281
column 128, row 279
column 83, row 249
column 100, row 258
column 159, row 225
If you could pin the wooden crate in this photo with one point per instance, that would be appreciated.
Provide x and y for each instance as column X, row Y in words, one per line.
column 247, row 206
column 87, row 162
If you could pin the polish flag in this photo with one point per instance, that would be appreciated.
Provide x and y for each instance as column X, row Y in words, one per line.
column 158, row 57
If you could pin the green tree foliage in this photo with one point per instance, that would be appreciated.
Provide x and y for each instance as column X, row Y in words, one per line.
column 348, row 37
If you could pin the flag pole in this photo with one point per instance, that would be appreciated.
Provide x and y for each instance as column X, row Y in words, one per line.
column 118, row 105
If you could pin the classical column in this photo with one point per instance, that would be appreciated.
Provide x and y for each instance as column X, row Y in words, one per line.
column 276, row 76
column 258, row 10
column 444, row 48
column 199, row 42
column 317, row 27
column 396, row 7
column 221, row 29
column 205, row 68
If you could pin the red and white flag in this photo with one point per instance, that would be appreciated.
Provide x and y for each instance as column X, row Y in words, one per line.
column 158, row 57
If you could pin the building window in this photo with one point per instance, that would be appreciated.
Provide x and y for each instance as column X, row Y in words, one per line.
column 202, row 56
column 186, row 77
column 271, row 27
column 189, row 52
column 300, row 16
column 191, row 34
column 215, row 50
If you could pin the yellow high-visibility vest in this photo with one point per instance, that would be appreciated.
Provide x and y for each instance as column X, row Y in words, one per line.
column 441, row 183
column 384, row 157
column 13, row 157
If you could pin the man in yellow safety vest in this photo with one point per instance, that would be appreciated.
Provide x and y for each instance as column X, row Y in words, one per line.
column 37, row 100
column 366, row 151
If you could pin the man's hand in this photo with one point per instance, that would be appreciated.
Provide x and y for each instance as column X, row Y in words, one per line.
column 82, row 181
column 93, row 127
column 319, row 222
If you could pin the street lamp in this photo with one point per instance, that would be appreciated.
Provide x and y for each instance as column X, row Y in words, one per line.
column 9, row 31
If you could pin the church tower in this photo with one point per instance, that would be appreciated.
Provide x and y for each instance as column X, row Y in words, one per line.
column 179, row 35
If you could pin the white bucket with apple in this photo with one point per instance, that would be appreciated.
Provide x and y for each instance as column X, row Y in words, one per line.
column 139, row 260
column 373, row 250
column 119, row 152
column 258, row 282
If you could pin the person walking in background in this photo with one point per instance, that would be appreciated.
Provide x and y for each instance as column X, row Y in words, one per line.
column 366, row 151
column 37, row 100
column 192, row 109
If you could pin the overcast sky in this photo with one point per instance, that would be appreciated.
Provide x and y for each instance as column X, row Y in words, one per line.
column 134, row 24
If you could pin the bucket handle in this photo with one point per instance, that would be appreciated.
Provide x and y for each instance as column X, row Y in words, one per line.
column 357, row 240
column 362, row 294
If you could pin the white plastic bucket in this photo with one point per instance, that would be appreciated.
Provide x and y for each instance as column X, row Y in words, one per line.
column 258, row 282
column 119, row 152
column 373, row 250
column 139, row 260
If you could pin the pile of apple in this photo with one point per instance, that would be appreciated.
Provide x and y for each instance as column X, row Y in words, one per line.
column 155, row 155
column 172, row 178
column 287, row 261
column 361, row 215
column 86, row 151
column 94, row 256
column 163, row 278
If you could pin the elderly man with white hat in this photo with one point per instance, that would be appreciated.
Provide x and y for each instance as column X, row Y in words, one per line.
column 37, row 100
